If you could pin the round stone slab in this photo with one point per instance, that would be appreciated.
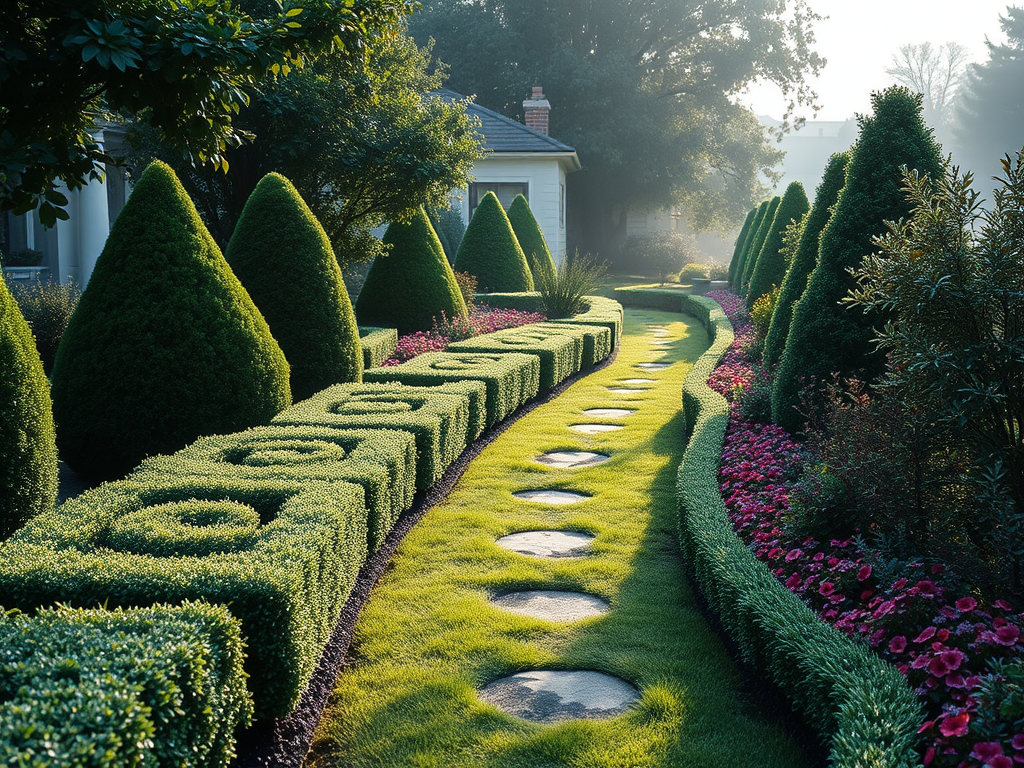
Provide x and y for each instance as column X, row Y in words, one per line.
column 594, row 429
column 653, row 366
column 550, row 496
column 553, row 605
column 608, row 413
column 639, row 381
column 567, row 459
column 660, row 342
column 549, row 695
column 547, row 543
column 625, row 391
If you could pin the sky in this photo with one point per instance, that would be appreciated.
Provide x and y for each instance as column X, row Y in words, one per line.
column 859, row 38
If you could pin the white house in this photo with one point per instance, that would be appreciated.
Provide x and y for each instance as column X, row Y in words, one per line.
column 522, row 160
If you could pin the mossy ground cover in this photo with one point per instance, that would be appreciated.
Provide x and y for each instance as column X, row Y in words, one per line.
column 429, row 638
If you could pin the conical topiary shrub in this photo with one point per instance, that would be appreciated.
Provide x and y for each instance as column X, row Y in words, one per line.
column 770, row 268
column 736, row 277
column 758, row 243
column 826, row 337
column 806, row 256
column 491, row 253
column 28, row 453
column 413, row 283
column 284, row 259
column 165, row 345
column 531, row 240
column 741, row 240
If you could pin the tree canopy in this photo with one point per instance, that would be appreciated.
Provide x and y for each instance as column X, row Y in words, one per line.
column 187, row 64
column 643, row 89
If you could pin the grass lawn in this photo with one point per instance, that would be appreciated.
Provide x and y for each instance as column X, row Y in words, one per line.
column 429, row 638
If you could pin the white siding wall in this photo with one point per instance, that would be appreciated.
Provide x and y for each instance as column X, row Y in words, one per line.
column 546, row 179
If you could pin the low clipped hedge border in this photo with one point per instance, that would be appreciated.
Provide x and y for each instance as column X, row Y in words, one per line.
column 560, row 355
column 378, row 345
column 74, row 693
column 600, row 311
column 860, row 706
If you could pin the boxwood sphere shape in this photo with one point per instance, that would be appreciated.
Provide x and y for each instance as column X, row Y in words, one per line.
column 165, row 346
column 491, row 253
column 285, row 261
column 28, row 451
column 413, row 283
column 531, row 240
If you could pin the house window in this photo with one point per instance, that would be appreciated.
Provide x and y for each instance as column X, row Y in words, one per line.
column 505, row 192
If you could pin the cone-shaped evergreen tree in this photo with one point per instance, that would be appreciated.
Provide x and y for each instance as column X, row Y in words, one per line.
column 770, row 268
column 284, row 259
column 740, row 242
column 531, row 239
column 28, row 451
column 755, row 225
column 805, row 258
column 758, row 243
column 826, row 337
column 413, row 284
column 165, row 344
column 491, row 253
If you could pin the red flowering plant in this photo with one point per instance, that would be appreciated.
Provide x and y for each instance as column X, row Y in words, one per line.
column 964, row 660
column 480, row 320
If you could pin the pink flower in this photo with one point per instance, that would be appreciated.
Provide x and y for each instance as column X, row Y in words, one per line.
column 965, row 604
column 826, row 588
column 926, row 587
column 1007, row 635
column 955, row 725
column 1003, row 604
column 1018, row 742
column 956, row 680
column 864, row 573
column 794, row 581
column 898, row 644
column 927, row 634
column 792, row 554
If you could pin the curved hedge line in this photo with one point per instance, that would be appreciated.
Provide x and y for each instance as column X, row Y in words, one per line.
column 859, row 705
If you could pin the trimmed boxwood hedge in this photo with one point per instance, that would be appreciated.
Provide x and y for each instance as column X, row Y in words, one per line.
column 438, row 421
column 561, row 355
column 285, row 574
column 28, row 448
column 596, row 339
column 382, row 461
column 490, row 252
column 600, row 310
column 770, row 269
column 160, row 686
column 511, row 378
column 378, row 345
column 165, row 345
column 860, row 706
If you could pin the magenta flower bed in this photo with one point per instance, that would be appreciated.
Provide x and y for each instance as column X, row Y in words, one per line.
column 947, row 645
column 481, row 320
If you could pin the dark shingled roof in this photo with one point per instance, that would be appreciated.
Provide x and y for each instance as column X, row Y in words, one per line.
column 502, row 134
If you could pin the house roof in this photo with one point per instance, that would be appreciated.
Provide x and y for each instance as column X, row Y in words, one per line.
column 504, row 135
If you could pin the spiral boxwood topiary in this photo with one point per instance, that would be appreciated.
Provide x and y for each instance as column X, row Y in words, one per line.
column 165, row 345
column 413, row 284
column 770, row 269
column 284, row 259
column 28, row 452
column 491, row 253
column 531, row 240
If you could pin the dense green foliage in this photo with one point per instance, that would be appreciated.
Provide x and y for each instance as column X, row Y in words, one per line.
column 47, row 307
column 741, row 241
column 806, row 257
column 61, row 65
column 826, row 337
column 412, row 284
column 657, row 254
column 438, row 419
column 28, row 451
column 490, row 251
column 378, row 345
column 286, row 577
column 165, row 345
column 161, row 687
column 531, row 239
column 560, row 354
column 770, row 269
column 644, row 93
column 283, row 257
column 757, row 244
column 736, row 275
column 511, row 378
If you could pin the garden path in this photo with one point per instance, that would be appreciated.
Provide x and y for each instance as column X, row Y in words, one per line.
column 540, row 615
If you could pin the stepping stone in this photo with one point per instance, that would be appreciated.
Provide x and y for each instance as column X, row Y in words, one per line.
column 547, row 543
column 609, row 413
column 549, row 695
column 639, row 381
column 553, row 605
column 624, row 391
column 594, row 429
column 662, row 333
column 653, row 366
column 567, row 459
column 551, row 497
column 661, row 343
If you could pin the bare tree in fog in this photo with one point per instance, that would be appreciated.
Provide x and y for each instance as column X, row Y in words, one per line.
column 935, row 73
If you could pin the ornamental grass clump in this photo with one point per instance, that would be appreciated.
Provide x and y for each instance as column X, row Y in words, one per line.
column 165, row 346
column 562, row 294
column 285, row 261
column 490, row 251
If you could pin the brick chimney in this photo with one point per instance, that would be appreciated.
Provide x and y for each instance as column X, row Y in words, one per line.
column 536, row 109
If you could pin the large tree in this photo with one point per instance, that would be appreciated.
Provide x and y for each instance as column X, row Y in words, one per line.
column 935, row 73
column 644, row 89
column 362, row 141
column 990, row 113
column 188, row 64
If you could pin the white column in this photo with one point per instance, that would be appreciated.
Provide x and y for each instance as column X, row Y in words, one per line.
column 94, row 222
column 66, row 263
